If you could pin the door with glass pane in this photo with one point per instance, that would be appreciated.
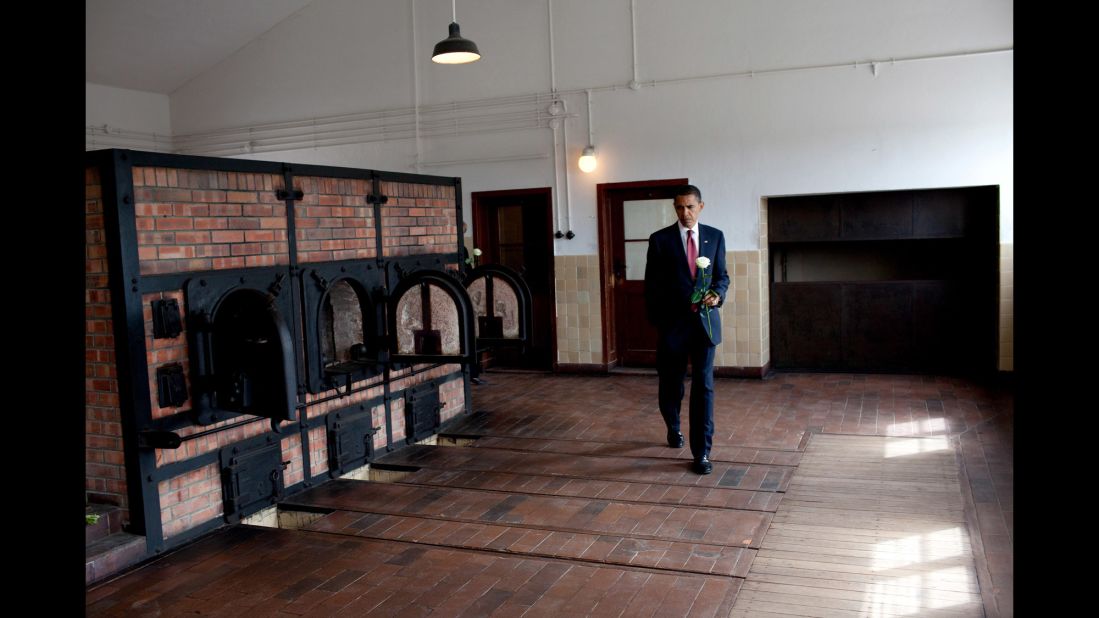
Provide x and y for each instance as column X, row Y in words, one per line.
column 635, row 213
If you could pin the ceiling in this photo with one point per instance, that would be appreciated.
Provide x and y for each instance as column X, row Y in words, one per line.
column 160, row 45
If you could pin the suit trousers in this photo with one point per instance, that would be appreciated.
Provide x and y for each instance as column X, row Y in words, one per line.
column 687, row 340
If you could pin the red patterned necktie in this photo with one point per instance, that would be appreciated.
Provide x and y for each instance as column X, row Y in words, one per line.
column 692, row 254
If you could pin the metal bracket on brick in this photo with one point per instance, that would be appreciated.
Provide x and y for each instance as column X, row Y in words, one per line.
column 171, row 385
column 167, row 323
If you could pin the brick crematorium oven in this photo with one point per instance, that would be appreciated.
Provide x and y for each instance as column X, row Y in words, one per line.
column 257, row 328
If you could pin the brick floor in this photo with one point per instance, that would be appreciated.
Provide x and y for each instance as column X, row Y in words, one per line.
column 568, row 503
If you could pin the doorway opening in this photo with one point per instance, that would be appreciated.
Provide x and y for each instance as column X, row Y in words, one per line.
column 515, row 228
column 628, row 213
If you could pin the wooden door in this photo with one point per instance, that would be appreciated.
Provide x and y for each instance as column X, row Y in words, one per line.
column 632, row 212
column 514, row 228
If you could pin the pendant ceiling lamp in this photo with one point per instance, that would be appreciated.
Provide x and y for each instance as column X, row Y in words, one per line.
column 454, row 49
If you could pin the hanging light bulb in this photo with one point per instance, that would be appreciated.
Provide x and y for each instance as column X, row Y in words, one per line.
column 587, row 160
column 454, row 49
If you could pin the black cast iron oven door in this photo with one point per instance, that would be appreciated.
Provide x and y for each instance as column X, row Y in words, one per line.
column 344, row 323
column 242, row 353
column 502, row 304
column 430, row 319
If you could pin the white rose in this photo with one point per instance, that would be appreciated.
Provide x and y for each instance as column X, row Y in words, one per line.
column 703, row 262
column 477, row 252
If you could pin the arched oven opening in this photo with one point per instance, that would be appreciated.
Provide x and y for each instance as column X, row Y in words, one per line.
column 344, row 326
column 242, row 350
column 502, row 304
column 430, row 319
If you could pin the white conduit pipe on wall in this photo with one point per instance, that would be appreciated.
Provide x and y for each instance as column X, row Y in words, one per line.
column 105, row 136
column 556, row 183
column 416, row 83
column 391, row 124
column 553, row 67
column 526, row 157
column 554, row 124
column 634, row 84
column 568, row 198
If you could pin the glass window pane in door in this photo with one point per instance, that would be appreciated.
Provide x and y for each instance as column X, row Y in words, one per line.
column 643, row 217
column 636, row 252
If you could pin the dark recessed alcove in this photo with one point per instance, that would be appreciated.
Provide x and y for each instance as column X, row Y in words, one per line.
column 885, row 281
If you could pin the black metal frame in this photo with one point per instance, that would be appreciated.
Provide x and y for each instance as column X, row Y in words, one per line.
column 119, row 215
column 205, row 295
column 368, row 282
column 142, row 434
column 491, row 272
column 450, row 285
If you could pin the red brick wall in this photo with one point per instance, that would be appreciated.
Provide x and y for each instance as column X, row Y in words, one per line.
column 291, row 451
column 318, row 450
column 105, row 470
column 190, row 499
column 396, row 413
column 194, row 498
column 333, row 221
column 377, row 419
column 453, row 396
column 418, row 219
column 317, row 409
column 191, row 220
column 205, row 444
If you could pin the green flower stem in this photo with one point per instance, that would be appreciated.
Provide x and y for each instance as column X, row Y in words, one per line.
column 699, row 297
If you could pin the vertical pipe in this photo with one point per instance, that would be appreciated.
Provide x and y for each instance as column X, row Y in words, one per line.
column 568, row 197
column 556, row 178
column 553, row 69
column 416, row 86
column 633, row 36
column 591, row 140
column 553, row 121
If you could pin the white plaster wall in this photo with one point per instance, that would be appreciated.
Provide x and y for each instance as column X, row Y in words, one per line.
column 331, row 57
column 133, row 110
column 932, row 123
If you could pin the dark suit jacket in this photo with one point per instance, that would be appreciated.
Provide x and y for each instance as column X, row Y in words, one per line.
column 668, row 284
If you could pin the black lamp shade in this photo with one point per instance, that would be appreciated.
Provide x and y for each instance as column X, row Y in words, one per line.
column 454, row 49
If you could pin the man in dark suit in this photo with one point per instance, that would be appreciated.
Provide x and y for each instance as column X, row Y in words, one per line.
column 681, row 300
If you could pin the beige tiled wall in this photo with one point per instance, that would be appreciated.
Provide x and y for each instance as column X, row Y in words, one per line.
column 579, row 323
column 746, row 322
column 1007, row 307
column 743, row 342
column 745, row 315
column 744, row 328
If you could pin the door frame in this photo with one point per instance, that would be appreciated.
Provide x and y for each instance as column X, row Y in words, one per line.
column 606, row 259
column 479, row 215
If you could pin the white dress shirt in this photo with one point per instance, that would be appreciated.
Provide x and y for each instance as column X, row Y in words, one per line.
column 683, row 237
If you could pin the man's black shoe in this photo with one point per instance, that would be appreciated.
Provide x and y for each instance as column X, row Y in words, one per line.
column 702, row 465
column 675, row 439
